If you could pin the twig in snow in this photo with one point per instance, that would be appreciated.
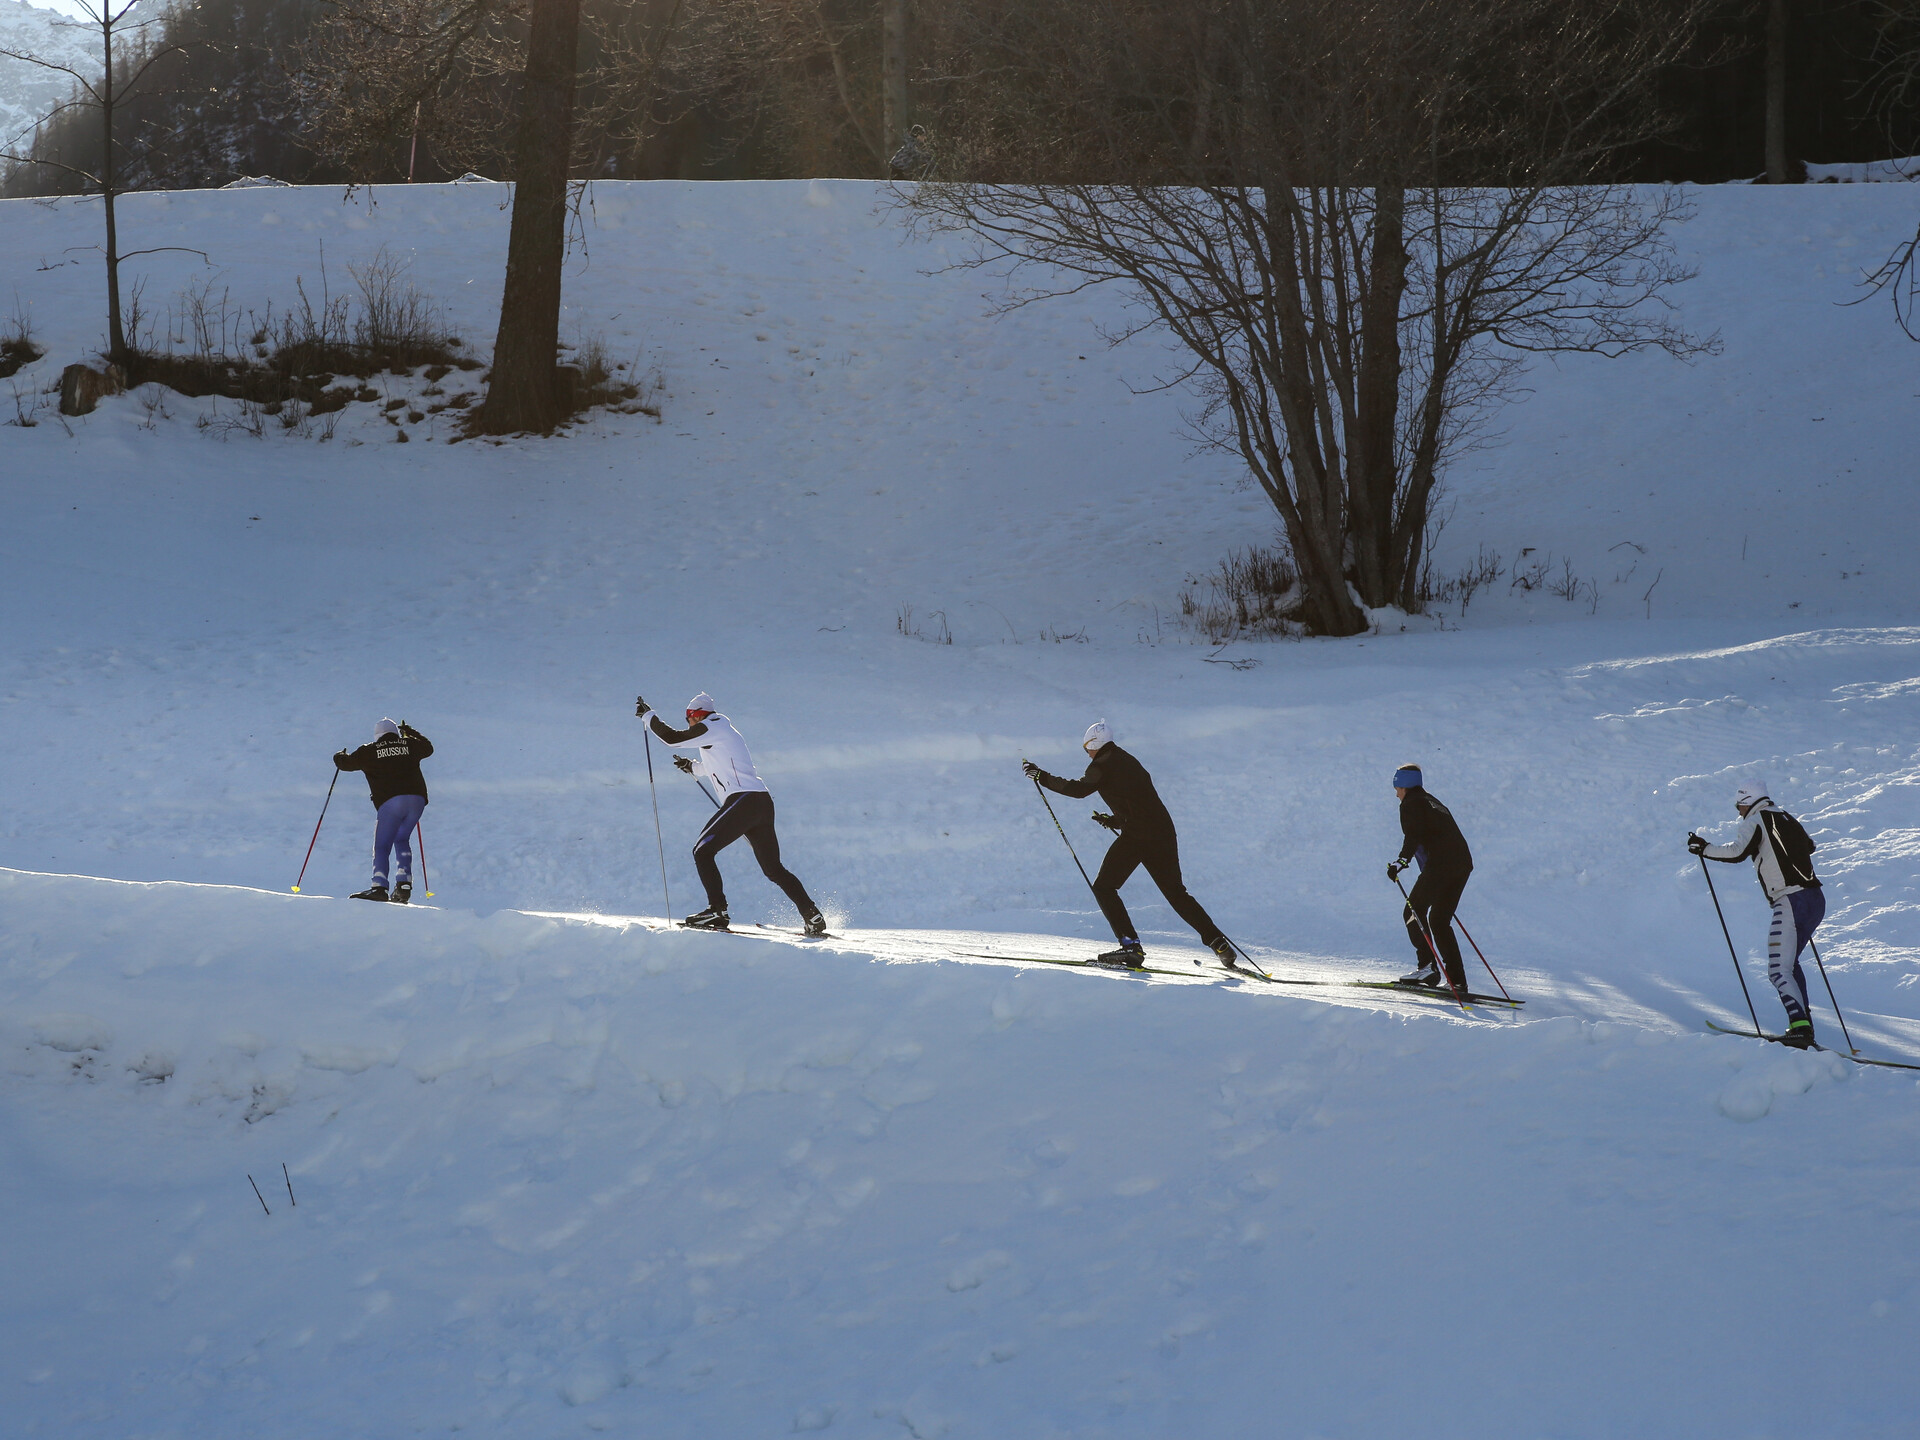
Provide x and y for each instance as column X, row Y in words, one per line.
column 1648, row 597
column 289, row 1179
column 258, row 1196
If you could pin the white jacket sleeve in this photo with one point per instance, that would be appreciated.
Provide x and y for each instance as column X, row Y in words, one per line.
column 1744, row 843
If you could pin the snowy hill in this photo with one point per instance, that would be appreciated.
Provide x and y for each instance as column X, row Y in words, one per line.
column 558, row 1171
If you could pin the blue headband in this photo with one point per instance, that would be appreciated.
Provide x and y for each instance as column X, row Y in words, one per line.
column 1407, row 778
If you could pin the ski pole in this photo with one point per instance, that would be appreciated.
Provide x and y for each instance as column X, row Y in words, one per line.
column 316, row 827
column 1063, row 835
column 703, row 790
column 421, row 836
column 1476, row 950
column 1731, row 952
column 1854, row 1049
column 1432, row 948
column 646, row 734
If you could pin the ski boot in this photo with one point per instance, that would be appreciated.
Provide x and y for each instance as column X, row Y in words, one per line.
column 1427, row 977
column 1129, row 955
column 402, row 892
column 813, row 926
column 1223, row 947
column 372, row 892
column 1799, row 1035
column 707, row 919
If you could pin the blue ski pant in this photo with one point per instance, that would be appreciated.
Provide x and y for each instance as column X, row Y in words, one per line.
column 1795, row 917
column 393, row 831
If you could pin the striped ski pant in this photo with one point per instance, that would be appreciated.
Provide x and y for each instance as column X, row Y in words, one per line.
column 1795, row 917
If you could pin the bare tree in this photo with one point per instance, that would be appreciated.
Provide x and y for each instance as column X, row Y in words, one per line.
column 521, row 390
column 452, row 73
column 1356, row 217
column 126, row 58
column 1895, row 85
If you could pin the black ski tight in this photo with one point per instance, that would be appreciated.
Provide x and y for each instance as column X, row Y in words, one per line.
column 748, row 813
column 1161, row 855
column 1434, row 899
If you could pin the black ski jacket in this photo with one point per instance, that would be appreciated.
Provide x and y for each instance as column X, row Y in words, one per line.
column 1123, row 782
column 392, row 764
column 1433, row 838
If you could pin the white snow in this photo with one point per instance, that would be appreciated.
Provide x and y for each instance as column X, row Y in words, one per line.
column 560, row 1170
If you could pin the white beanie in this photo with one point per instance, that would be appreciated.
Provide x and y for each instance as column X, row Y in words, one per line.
column 702, row 701
column 385, row 727
column 1751, row 793
column 1099, row 733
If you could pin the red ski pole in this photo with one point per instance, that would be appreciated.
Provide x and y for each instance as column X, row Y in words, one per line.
column 1476, row 950
column 1432, row 949
column 316, row 827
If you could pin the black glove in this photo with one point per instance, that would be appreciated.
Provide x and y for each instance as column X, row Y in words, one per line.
column 683, row 764
column 1031, row 770
column 1696, row 843
column 640, row 706
column 1100, row 818
column 1394, row 867
column 340, row 758
column 407, row 732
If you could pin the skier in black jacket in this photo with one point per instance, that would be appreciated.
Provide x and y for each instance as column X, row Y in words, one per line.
column 1146, row 837
column 1433, row 841
column 392, row 767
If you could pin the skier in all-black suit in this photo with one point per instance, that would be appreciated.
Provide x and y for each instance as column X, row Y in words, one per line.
column 1433, row 840
column 1146, row 837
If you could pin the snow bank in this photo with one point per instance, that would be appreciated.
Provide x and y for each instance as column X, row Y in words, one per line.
column 558, row 1177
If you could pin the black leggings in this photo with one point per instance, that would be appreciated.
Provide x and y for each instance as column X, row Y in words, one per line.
column 1434, row 899
column 748, row 813
column 1160, row 853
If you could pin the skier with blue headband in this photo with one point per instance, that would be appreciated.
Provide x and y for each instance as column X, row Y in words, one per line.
column 1432, row 841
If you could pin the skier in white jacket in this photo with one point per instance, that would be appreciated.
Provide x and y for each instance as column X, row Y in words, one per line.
column 1782, row 856
column 746, row 809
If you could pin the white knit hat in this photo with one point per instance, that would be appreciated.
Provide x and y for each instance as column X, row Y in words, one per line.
column 1751, row 793
column 385, row 727
column 702, row 701
column 1099, row 733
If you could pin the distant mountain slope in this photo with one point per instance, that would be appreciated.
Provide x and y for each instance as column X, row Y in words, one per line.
column 28, row 92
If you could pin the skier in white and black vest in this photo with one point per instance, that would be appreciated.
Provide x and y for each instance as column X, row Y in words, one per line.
column 1782, row 855
column 392, row 767
column 1431, row 838
column 1146, row 837
column 746, row 809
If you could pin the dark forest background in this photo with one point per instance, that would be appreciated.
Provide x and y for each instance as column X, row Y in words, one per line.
column 754, row 89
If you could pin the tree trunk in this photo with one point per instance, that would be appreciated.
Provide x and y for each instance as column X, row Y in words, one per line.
column 1777, row 92
column 522, row 392
column 116, row 331
column 1371, row 461
column 893, row 77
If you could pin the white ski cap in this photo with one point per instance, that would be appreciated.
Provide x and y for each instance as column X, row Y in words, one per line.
column 385, row 727
column 1099, row 733
column 1751, row 793
column 702, row 701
